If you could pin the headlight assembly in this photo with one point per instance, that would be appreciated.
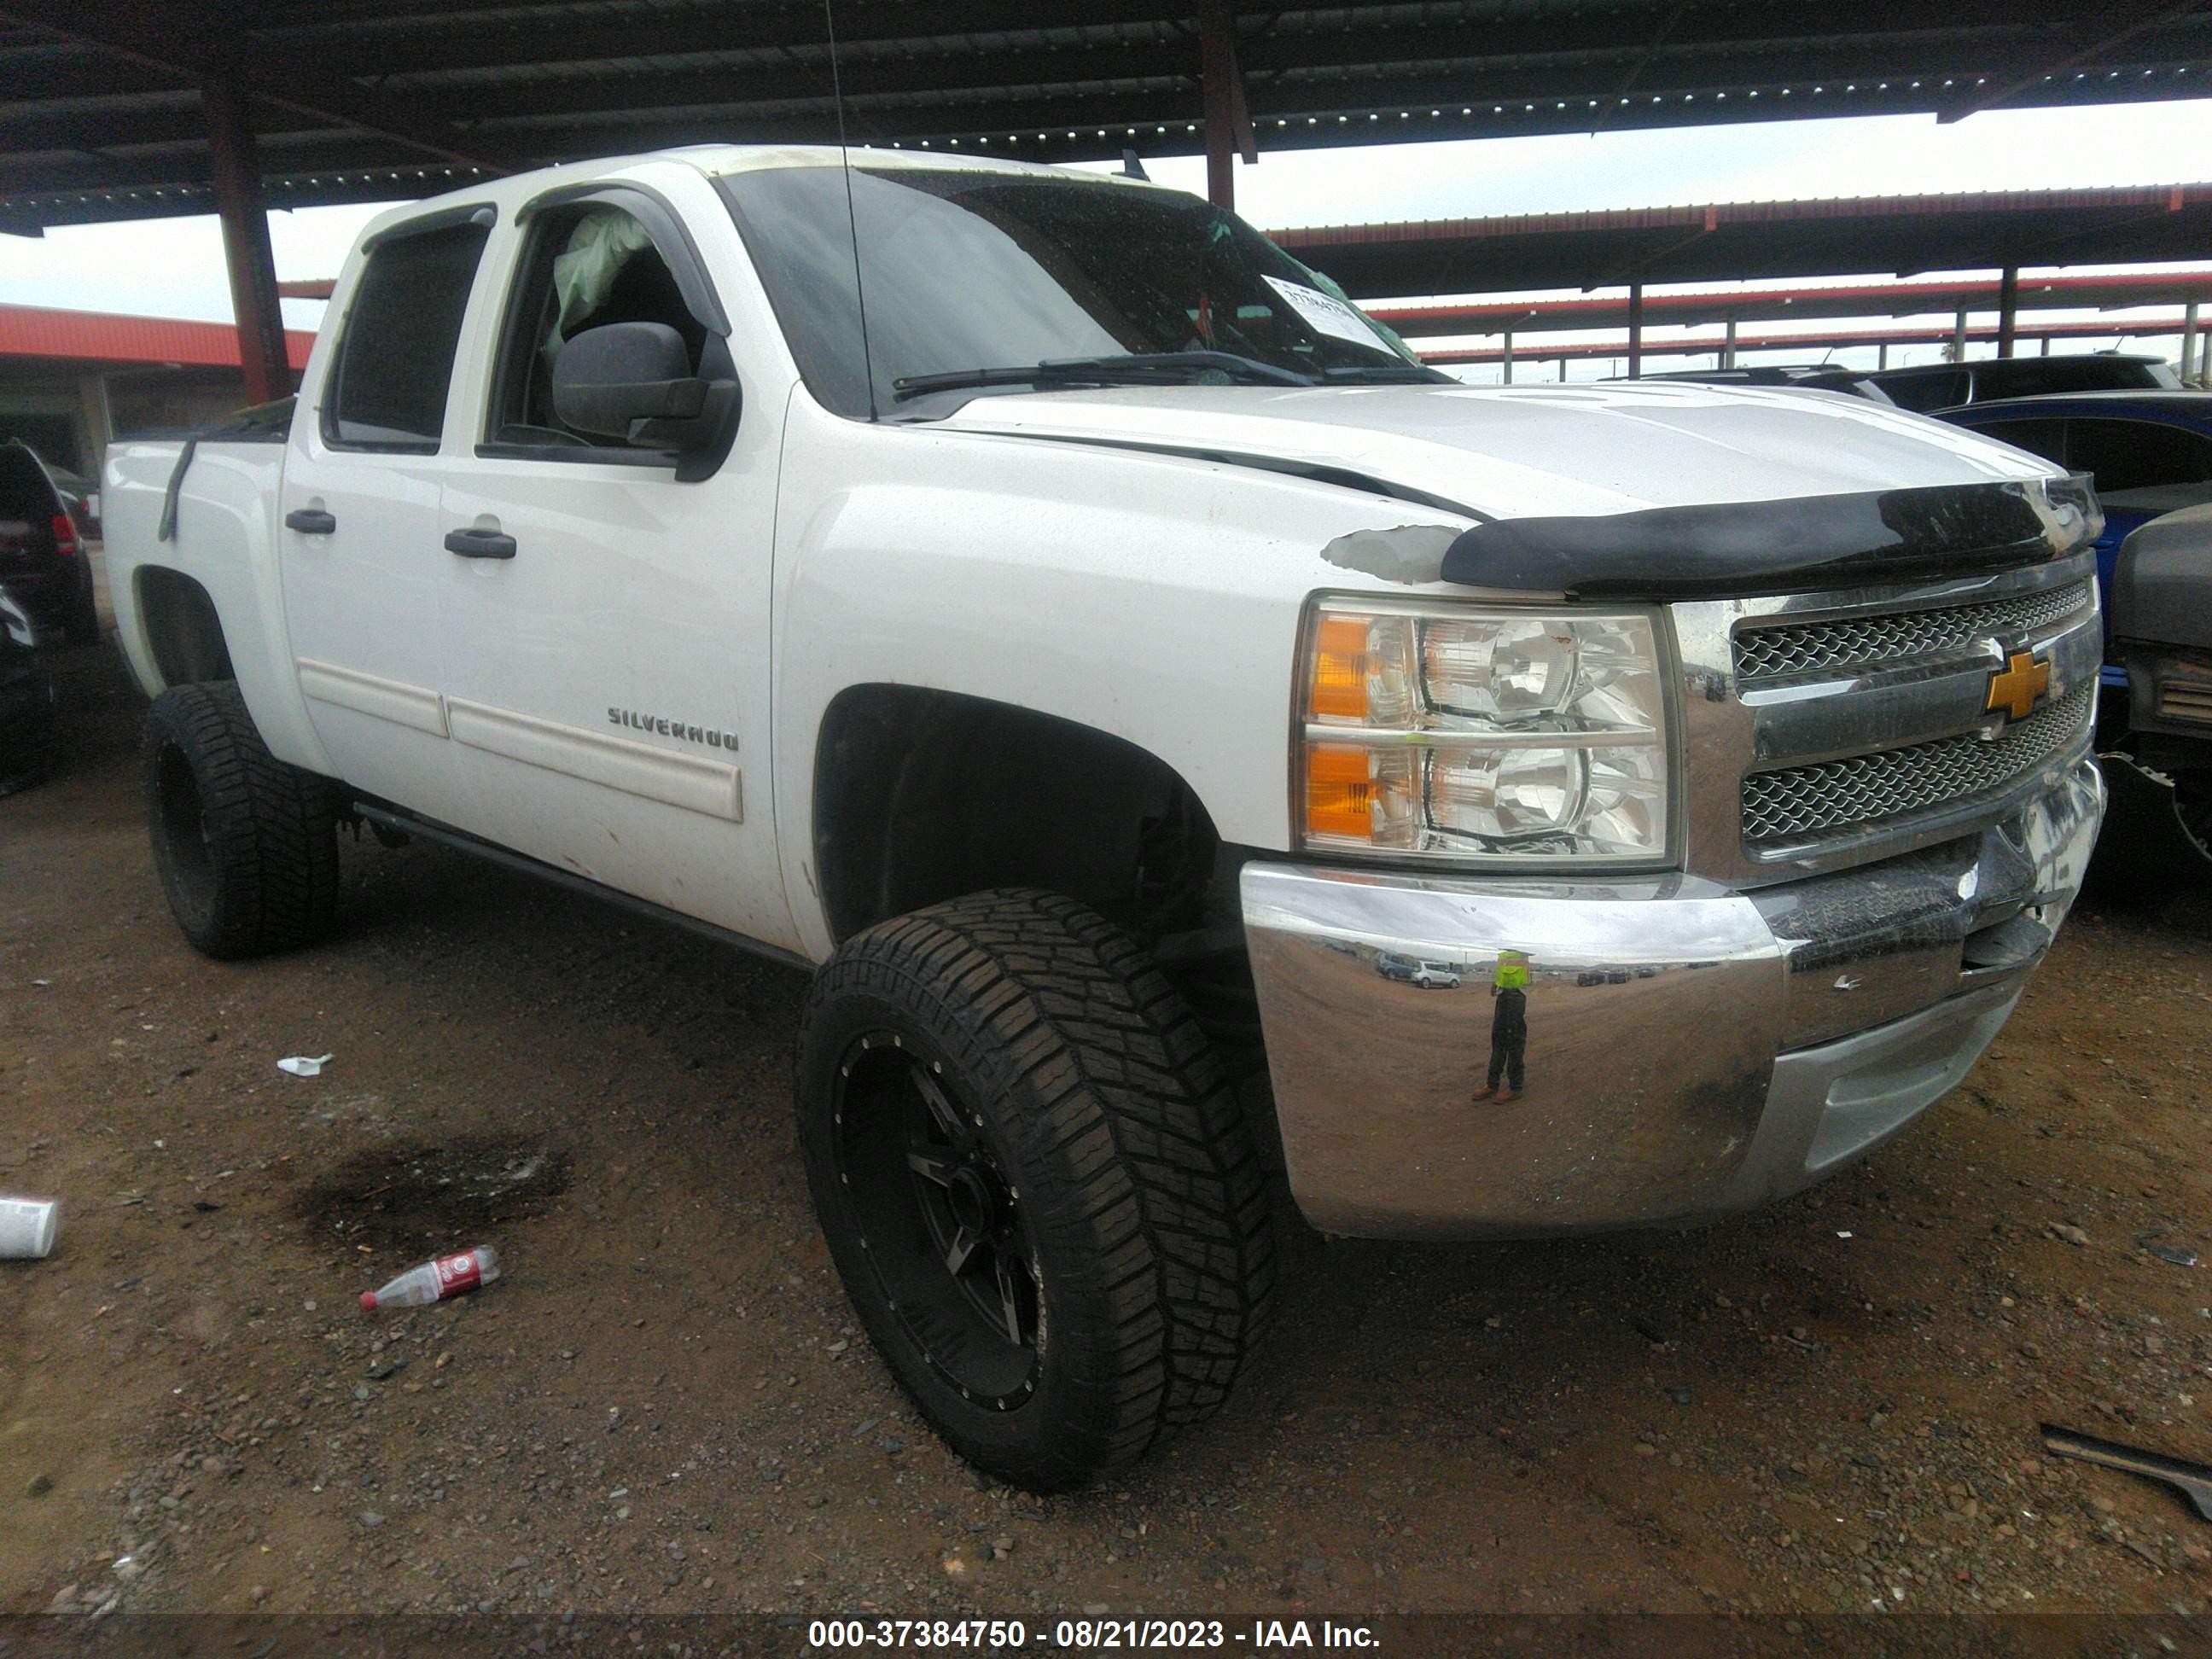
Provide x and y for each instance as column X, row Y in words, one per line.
column 1464, row 734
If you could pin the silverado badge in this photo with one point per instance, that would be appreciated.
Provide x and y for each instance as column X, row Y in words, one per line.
column 2016, row 687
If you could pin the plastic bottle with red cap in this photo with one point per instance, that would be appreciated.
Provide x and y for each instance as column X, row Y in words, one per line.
column 436, row 1280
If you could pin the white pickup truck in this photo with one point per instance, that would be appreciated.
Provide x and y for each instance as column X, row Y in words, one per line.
column 1051, row 615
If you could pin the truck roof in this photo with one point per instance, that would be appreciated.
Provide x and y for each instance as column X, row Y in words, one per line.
column 721, row 160
column 717, row 160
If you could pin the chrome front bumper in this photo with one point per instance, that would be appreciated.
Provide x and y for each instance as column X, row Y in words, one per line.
column 1692, row 1050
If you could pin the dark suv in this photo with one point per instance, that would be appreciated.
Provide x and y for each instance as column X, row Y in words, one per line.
column 1928, row 386
column 1811, row 377
column 42, row 556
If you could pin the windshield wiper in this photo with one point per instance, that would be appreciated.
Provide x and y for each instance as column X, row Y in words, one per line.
column 1387, row 375
column 1135, row 367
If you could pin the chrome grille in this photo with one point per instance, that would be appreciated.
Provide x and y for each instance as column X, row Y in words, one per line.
column 1767, row 654
column 1799, row 803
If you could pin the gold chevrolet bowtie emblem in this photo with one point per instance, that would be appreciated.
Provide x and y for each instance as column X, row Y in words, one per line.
column 2016, row 686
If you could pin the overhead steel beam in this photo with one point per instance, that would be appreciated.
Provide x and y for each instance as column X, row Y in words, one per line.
column 945, row 83
column 29, row 216
column 53, row 69
column 479, row 41
column 1286, row 115
column 2108, row 32
column 529, row 124
column 1450, row 67
column 189, row 169
column 562, row 36
column 1641, row 61
column 189, row 45
column 784, row 82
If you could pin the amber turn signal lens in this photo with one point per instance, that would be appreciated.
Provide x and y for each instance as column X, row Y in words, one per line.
column 1340, row 793
column 1339, row 672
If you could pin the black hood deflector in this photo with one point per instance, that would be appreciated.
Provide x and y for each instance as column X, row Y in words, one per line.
column 1743, row 549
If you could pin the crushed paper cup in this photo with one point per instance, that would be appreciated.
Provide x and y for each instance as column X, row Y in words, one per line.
column 305, row 1065
column 27, row 1228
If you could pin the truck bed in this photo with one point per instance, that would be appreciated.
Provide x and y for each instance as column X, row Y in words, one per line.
column 209, row 525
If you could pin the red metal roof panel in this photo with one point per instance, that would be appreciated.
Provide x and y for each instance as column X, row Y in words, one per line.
column 108, row 337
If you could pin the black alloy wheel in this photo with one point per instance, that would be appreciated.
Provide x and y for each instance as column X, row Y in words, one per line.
column 944, row 1233
column 1035, row 1181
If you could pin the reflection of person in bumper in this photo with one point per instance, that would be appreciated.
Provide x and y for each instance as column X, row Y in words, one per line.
column 1508, row 1028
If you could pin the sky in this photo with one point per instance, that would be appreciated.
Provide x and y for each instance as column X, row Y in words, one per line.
column 174, row 267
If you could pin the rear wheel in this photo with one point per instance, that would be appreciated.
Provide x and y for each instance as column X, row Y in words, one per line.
column 1035, row 1181
column 246, row 846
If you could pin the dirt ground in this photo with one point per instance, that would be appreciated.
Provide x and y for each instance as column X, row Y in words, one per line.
column 666, row 1405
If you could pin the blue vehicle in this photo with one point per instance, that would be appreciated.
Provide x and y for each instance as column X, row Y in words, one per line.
column 2149, row 454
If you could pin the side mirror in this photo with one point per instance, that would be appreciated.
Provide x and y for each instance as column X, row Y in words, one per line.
column 633, row 381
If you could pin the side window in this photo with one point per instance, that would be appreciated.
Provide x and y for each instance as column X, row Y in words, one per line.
column 2137, row 454
column 582, row 266
column 396, row 357
column 2041, row 436
column 1922, row 392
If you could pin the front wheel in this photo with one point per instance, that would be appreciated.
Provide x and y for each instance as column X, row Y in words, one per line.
column 1035, row 1181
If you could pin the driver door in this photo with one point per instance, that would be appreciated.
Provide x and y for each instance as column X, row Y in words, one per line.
column 605, row 624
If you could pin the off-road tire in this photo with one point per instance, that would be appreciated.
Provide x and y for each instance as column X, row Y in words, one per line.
column 246, row 846
column 1118, row 1131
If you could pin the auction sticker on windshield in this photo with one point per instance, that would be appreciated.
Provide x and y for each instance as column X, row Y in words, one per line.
column 1328, row 314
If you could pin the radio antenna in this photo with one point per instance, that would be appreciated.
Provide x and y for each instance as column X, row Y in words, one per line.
column 852, row 217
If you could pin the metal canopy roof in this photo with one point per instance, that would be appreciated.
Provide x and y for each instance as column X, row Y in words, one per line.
column 1897, row 235
column 1808, row 348
column 1525, row 317
column 101, row 108
column 111, row 339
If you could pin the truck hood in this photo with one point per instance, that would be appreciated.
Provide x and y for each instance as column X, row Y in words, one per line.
column 1512, row 451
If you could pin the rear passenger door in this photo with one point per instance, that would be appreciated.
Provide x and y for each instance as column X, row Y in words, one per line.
column 606, row 622
column 359, row 552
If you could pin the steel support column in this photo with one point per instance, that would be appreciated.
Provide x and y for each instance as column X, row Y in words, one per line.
column 1727, row 351
column 1958, row 338
column 1636, row 330
column 1228, row 122
column 2008, row 310
column 1506, row 361
column 237, row 168
column 98, row 423
column 2188, row 339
